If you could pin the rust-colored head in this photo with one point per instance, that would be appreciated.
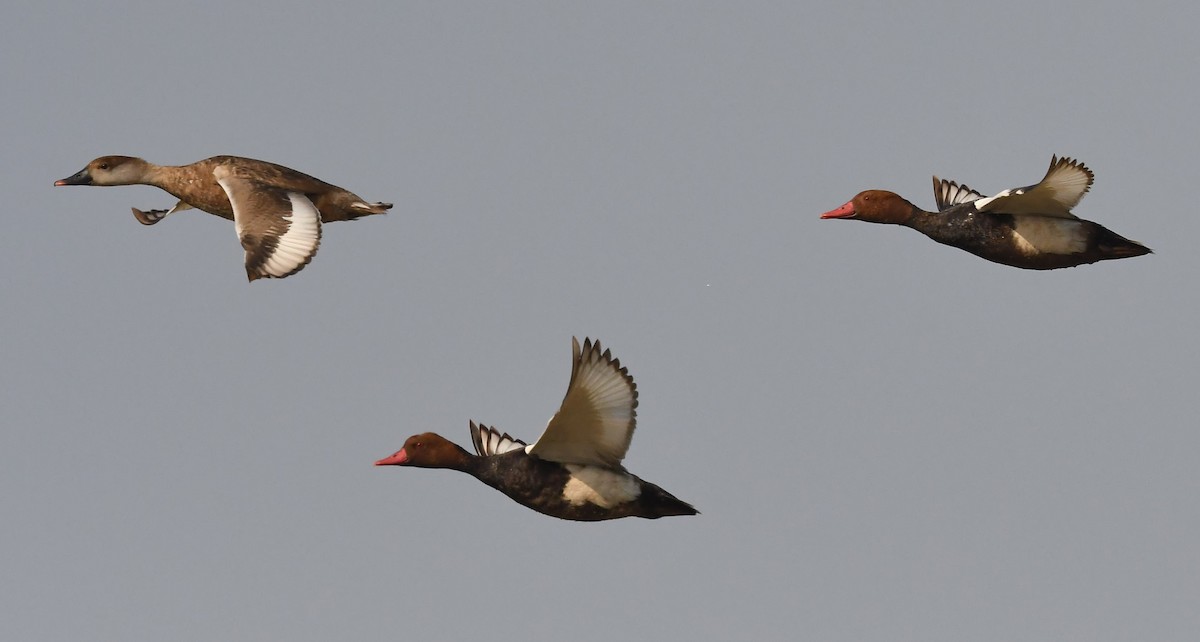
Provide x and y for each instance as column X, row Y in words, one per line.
column 109, row 170
column 875, row 206
column 427, row 450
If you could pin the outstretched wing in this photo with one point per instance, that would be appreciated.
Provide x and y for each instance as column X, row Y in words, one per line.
column 279, row 229
column 1063, row 187
column 598, row 415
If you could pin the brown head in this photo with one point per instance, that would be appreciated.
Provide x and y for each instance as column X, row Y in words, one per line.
column 875, row 206
column 110, row 170
column 428, row 450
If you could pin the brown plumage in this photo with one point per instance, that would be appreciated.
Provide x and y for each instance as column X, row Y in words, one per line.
column 278, row 211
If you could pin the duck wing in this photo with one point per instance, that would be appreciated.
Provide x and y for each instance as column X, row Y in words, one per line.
column 489, row 441
column 947, row 194
column 280, row 229
column 1063, row 187
column 275, row 175
column 598, row 415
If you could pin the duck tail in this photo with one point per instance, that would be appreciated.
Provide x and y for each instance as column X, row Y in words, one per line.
column 1115, row 246
column 660, row 503
column 362, row 208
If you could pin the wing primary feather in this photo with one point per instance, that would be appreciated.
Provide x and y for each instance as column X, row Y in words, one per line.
column 488, row 441
column 597, row 418
column 476, row 439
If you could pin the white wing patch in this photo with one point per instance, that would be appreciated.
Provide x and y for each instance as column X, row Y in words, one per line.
column 989, row 203
column 1063, row 187
column 1049, row 235
column 297, row 245
column 280, row 230
column 947, row 194
column 489, row 441
column 598, row 415
column 600, row 486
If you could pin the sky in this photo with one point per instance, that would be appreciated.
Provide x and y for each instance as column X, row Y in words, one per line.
column 887, row 439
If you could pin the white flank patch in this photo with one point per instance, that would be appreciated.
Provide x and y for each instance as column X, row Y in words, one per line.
column 600, row 486
column 298, row 244
column 1039, row 234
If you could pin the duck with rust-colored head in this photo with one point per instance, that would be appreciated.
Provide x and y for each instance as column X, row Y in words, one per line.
column 574, row 470
column 1027, row 227
column 276, row 210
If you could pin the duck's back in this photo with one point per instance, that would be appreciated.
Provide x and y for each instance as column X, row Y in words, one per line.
column 196, row 185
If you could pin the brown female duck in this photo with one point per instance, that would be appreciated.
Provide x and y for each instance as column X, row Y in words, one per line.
column 276, row 210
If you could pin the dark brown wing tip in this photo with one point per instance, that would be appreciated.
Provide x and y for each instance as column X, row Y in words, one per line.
column 606, row 354
column 476, row 438
column 1066, row 161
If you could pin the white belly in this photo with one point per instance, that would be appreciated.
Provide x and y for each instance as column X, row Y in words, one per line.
column 1040, row 234
column 599, row 486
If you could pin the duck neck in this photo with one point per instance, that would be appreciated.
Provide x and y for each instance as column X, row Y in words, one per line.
column 462, row 460
column 156, row 175
column 920, row 220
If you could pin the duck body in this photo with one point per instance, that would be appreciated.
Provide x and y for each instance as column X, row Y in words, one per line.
column 195, row 185
column 573, row 471
column 1029, row 227
column 277, row 210
column 575, row 492
column 1025, row 241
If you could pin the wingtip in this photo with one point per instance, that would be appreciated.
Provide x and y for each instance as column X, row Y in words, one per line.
column 589, row 345
column 1057, row 161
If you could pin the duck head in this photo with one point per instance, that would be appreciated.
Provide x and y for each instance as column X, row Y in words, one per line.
column 109, row 170
column 427, row 450
column 875, row 206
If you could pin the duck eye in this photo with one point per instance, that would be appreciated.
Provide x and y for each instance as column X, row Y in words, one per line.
column 103, row 165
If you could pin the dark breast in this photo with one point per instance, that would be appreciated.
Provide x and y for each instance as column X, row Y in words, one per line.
column 538, row 484
column 964, row 228
column 986, row 235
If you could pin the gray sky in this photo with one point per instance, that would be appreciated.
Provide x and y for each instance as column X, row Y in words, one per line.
column 888, row 439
